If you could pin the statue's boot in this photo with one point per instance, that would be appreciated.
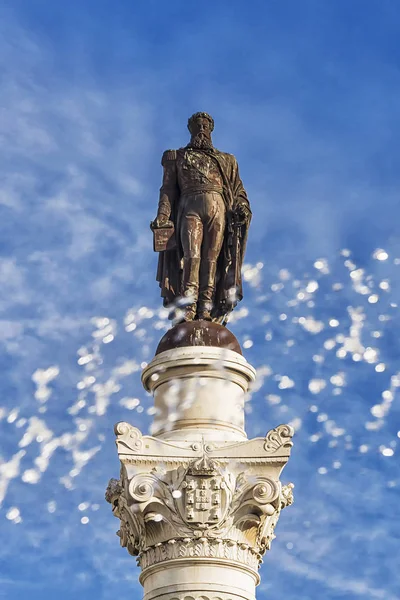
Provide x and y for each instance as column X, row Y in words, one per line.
column 208, row 271
column 190, row 287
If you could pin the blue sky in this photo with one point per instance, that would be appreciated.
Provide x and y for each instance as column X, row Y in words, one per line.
column 305, row 94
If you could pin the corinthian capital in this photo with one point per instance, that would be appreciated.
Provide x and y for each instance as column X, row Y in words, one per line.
column 204, row 506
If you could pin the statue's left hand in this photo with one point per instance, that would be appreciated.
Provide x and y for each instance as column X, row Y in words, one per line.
column 243, row 211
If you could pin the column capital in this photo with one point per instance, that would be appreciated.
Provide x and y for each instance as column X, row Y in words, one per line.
column 214, row 501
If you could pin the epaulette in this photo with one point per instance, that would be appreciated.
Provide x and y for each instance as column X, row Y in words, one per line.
column 168, row 156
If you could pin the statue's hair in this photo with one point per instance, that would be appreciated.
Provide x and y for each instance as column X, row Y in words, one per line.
column 199, row 115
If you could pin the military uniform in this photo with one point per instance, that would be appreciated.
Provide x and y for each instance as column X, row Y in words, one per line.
column 193, row 195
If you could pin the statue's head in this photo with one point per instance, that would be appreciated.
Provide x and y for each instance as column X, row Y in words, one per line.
column 201, row 125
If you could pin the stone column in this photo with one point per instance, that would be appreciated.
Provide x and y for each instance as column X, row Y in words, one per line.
column 197, row 501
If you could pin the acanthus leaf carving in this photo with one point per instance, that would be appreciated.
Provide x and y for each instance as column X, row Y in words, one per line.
column 287, row 497
column 153, row 512
column 113, row 491
column 200, row 548
column 131, row 530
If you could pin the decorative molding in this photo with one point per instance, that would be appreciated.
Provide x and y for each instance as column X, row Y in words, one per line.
column 278, row 438
column 203, row 596
column 135, row 447
column 129, row 437
column 200, row 548
column 157, row 460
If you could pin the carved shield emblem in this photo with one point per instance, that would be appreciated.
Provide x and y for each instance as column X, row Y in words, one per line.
column 203, row 500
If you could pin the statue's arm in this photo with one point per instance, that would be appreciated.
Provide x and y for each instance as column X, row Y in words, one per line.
column 169, row 189
column 240, row 195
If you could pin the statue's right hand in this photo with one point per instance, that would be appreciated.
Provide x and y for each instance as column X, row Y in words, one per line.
column 161, row 221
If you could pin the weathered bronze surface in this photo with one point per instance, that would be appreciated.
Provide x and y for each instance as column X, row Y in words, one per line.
column 164, row 238
column 202, row 197
column 198, row 333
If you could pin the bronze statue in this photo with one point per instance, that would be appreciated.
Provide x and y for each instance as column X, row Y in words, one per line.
column 201, row 228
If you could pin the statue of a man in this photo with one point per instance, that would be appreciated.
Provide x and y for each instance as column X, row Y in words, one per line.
column 203, row 198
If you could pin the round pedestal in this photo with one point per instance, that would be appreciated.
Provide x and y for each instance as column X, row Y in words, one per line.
column 199, row 392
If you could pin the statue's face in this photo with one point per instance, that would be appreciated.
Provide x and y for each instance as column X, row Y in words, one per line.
column 201, row 129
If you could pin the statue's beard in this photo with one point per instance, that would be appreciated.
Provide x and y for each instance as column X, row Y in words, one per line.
column 201, row 142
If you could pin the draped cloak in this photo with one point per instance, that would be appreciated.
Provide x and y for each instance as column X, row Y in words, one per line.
column 228, row 289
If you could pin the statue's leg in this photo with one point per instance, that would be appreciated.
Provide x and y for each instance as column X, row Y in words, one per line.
column 213, row 237
column 191, row 234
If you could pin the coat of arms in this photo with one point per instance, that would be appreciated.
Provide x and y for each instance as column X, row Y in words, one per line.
column 204, row 499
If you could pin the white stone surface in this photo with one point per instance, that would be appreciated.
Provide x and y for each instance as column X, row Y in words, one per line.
column 198, row 577
column 199, row 390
